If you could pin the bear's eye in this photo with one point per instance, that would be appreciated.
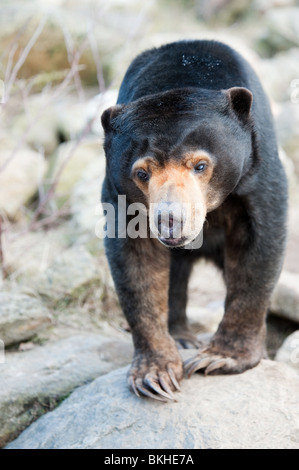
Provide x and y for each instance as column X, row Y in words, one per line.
column 200, row 167
column 142, row 175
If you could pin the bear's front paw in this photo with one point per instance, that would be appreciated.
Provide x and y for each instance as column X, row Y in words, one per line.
column 213, row 359
column 156, row 376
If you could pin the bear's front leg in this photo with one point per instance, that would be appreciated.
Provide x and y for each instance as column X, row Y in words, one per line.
column 140, row 268
column 253, row 261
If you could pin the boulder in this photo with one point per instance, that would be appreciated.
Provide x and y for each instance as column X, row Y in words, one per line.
column 205, row 319
column 289, row 351
column 284, row 23
column 279, row 30
column 48, row 118
column 96, row 106
column 255, row 410
column 37, row 380
column 221, row 11
column 206, row 285
column 21, row 317
column 277, row 85
column 285, row 298
column 287, row 125
column 37, row 123
column 72, row 272
column 21, row 173
column 73, row 159
column 291, row 262
column 289, row 168
column 67, row 31
column 85, row 199
column 29, row 254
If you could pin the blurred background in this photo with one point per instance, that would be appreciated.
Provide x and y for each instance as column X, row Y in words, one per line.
column 61, row 64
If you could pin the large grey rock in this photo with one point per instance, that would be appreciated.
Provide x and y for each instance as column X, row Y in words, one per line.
column 287, row 124
column 96, row 106
column 257, row 409
column 37, row 123
column 277, row 85
column 289, row 168
column 285, row 298
column 31, row 253
column 223, row 11
column 73, row 159
column 86, row 207
column 289, row 351
column 35, row 381
column 284, row 22
column 21, row 174
column 279, row 30
column 64, row 28
column 72, row 272
column 21, row 317
column 205, row 319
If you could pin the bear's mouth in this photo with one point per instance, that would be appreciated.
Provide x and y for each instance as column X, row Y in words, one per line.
column 173, row 242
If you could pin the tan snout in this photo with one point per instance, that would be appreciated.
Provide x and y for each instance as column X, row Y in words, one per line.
column 177, row 208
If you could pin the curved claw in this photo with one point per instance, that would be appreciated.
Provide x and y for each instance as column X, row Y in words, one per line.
column 173, row 379
column 155, row 386
column 196, row 365
column 166, row 386
column 200, row 352
column 133, row 386
column 147, row 393
column 218, row 364
column 187, row 362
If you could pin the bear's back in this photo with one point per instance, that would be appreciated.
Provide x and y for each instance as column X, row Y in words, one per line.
column 201, row 64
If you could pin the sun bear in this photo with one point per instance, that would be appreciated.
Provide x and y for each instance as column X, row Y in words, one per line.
column 192, row 140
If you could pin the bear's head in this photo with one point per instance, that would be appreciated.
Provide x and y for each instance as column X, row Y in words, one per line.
column 181, row 153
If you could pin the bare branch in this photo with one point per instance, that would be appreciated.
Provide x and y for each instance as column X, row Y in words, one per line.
column 69, row 44
column 51, row 219
column 23, row 57
column 96, row 55
column 18, row 34
column 10, row 61
column 52, row 188
column 56, row 93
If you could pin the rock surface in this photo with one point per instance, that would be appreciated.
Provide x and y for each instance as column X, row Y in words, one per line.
column 287, row 125
column 21, row 317
column 31, row 253
column 257, row 409
column 21, row 174
column 284, row 22
column 35, row 381
column 75, row 269
column 87, row 210
column 37, row 123
column 285, row 299
column 73, row 158
column 277, row 85
column 289, row 351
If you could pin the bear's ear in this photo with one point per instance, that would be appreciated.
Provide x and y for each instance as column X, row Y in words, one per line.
column 108, row 115
column 240, row 100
